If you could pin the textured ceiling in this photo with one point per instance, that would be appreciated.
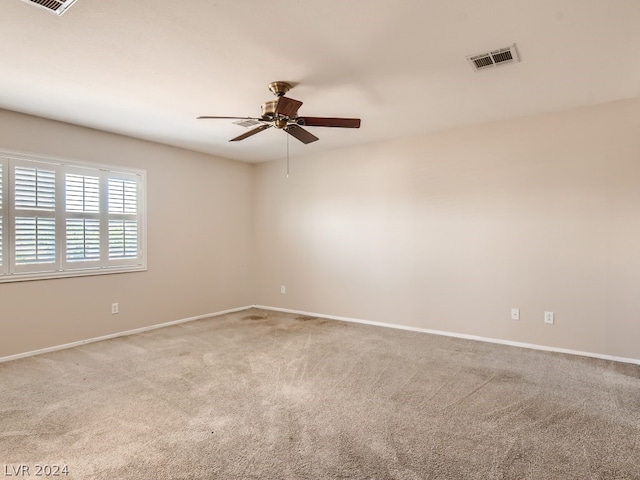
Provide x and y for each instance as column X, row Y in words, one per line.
column 148, row 68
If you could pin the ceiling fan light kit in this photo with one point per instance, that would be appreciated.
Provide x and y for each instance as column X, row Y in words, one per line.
column 282, row 114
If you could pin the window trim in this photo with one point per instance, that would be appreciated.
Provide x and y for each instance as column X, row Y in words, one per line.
column 63, row 166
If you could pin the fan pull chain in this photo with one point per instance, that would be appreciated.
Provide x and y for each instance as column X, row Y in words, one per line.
column 287, row 154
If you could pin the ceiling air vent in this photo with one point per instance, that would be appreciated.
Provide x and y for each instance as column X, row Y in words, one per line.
column 55, row 6
column 494, row 58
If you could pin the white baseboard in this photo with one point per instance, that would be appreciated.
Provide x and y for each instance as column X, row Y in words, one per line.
column 119, row 334
column 456, row 335
column 330, row 317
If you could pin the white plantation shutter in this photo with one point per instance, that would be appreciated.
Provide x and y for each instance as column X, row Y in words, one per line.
column 82, row 193
column 34, row 226
column 123, row 219
column 60, row 218
column 123, row 239
column 123, row 196
column 35, row 241
column 82, row 219
column 35, row 188
column 83, row 240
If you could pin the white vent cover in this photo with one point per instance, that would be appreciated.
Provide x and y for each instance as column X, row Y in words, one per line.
column 494, row 58
column 55, row 6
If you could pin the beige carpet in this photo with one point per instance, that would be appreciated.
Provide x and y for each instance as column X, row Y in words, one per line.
column 265, row 395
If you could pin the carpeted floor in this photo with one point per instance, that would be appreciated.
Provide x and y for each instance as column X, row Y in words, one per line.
column 266, row 395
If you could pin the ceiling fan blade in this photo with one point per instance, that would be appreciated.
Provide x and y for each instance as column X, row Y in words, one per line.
column 250, row 133
column 301, row 134
column 329, row 122
column 287, row 106
column 228, row 118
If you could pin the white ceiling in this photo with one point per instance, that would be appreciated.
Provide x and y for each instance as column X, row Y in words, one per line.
column 148, row 68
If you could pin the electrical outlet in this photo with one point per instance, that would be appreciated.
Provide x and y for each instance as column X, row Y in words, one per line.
column 114, row 308
column 515, row 314
column 283, row 289
column 548, row 317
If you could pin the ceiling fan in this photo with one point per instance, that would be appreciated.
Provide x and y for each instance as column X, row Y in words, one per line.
column 283, row 114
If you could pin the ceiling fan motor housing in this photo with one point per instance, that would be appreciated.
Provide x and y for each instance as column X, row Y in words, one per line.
column 270, row 114
column 269, row 109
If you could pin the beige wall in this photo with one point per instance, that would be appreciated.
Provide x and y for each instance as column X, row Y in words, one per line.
column 445, row 232
column 449, row 231
column 191, row 274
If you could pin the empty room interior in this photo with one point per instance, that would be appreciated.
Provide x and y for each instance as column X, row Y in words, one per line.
column 308, row 240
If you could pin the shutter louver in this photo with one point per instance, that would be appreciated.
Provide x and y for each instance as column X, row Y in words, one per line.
column 83, row 239
column 123, row 196
column 82, row 193
column 35, row 188
column 123, row 239
column 123, row 222
column 35, row 240
column 82, row 199
column 35, row 223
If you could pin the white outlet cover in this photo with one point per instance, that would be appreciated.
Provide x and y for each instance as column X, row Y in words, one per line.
column 515, row 314
column 548, row 317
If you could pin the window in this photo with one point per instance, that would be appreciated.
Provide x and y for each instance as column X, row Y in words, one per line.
column 62, row 218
